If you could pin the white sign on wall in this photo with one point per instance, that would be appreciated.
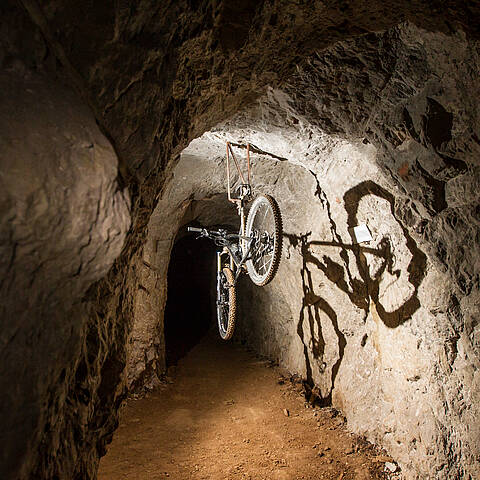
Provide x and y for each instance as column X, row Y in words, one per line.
column 360, row 233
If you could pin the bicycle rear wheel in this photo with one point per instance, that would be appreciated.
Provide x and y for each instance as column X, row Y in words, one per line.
column 226, row 303
column 264, row 225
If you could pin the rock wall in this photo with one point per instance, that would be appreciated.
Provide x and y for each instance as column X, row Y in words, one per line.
column 359, row 324
column 63, row 221
column 387, row 331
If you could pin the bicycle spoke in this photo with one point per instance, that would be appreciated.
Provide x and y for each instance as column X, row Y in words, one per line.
column 263, row 267
column 266, row 212
column 267, row 263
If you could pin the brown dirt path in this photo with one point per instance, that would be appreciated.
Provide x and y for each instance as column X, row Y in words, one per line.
column 224, row 416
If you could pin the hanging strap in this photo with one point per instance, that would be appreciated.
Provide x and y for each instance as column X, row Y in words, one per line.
column 230, row 152
column 229, row 149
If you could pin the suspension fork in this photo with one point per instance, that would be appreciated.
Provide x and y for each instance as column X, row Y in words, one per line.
column 219, row 279
column 242, row 230
column 220, row 263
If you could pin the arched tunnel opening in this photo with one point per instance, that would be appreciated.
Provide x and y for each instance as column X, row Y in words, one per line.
column 362, row 121
column 190, row 308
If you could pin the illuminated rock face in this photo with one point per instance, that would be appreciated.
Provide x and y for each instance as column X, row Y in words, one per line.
column 374, row 328
column 355, row 127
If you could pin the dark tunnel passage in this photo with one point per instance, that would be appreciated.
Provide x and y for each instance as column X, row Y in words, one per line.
column 190, row 308
column 359, row 116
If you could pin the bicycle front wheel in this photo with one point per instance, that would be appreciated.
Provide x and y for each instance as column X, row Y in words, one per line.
column 264, row 226
column 226, row 303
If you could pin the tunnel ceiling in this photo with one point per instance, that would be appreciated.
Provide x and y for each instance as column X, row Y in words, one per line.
column 188, row 65
column 342, row 100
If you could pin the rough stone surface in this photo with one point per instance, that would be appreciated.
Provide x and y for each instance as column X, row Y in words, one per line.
column 187, row 65
column 386, row 332
column 420, row 121
column 155, row 76
column 63, row 221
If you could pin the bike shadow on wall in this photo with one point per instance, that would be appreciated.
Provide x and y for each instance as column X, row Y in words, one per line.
column 360, row 291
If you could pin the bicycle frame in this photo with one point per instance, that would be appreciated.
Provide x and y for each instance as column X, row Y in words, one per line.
column 236, row 262
column 255, row 249
column 238, row 250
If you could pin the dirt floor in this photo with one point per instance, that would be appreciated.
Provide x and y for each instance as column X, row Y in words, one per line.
column 226, row 414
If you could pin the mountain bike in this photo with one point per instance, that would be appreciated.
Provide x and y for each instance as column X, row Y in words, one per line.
column 255, row 249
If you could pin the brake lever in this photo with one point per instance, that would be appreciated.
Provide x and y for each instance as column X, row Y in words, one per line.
column 203, row 233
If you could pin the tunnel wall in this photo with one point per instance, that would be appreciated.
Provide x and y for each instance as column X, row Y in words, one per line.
column 387, row 332
column 63, row 221
column 361, row 323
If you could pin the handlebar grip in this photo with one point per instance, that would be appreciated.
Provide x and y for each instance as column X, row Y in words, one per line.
column 194, row 229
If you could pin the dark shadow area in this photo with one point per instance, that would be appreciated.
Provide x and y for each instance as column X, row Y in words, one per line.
column 361, row 292
column 190, row 304
column 416, row 269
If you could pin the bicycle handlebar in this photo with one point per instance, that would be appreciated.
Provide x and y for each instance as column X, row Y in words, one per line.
column 213, row 234
column 206, row 232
